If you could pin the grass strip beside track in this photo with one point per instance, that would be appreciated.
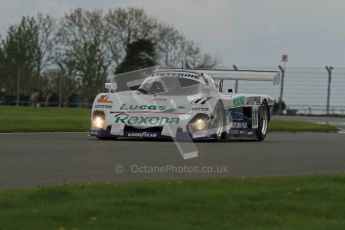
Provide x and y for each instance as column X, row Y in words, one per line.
column 313, row 202
column 299, row 126
column 30, row 119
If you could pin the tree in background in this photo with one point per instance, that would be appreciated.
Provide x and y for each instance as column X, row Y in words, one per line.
column 82, row 50
column 85, row 47
column 127, row 25
column 139, row 54
column 20, row 53
column 27, row 49
column 173, row 49
column 45, row 39
column 2, row 75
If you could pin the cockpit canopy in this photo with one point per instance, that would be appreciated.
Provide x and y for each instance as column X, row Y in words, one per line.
column 161, row 81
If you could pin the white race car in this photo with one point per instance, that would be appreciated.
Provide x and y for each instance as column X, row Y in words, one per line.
column 177, row 103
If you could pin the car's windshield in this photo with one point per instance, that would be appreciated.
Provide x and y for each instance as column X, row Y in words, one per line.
column 169, row 85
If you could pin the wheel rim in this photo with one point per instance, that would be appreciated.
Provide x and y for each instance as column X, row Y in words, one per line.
column 219, row 121
column 264, row 121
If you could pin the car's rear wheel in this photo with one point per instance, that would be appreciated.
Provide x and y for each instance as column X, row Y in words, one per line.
column 263, row 122
column 219, row 121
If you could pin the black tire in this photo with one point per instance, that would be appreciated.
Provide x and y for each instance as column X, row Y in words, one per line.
column 219, row 121
column 264, row 117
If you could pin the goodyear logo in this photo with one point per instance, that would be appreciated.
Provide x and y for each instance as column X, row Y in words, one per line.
column 142, row 135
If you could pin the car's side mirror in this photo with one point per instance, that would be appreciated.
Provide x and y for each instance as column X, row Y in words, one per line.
column 111, row 86
column 230, row 91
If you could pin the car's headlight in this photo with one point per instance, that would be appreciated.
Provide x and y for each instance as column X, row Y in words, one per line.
column 98, row 119
column 98, row 122
column 199, row 124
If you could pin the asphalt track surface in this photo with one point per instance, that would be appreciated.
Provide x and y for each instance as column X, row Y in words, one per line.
column 30, row 160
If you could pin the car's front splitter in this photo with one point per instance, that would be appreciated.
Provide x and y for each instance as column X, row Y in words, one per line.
column 102, row 133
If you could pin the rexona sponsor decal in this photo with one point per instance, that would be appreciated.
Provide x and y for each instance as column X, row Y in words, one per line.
column 104, row 99
column 156, row 108
column 146, row 121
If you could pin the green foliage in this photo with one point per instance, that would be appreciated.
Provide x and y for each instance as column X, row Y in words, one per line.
column 25, row 51
column 2, row 63
column 85, row 47
column 312, row 202
column 20, row 53
column 128, row 25
column 140, row 54
column 83, row 54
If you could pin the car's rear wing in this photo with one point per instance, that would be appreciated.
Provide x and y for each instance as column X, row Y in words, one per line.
column 132, row 80
column 245, row 75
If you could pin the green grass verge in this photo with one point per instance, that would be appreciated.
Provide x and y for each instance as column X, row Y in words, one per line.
column 29, row 119
column 299, row 126
column 270, row 203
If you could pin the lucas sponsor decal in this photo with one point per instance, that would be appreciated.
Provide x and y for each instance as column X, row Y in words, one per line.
column 141, row 120
column 159, row 108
